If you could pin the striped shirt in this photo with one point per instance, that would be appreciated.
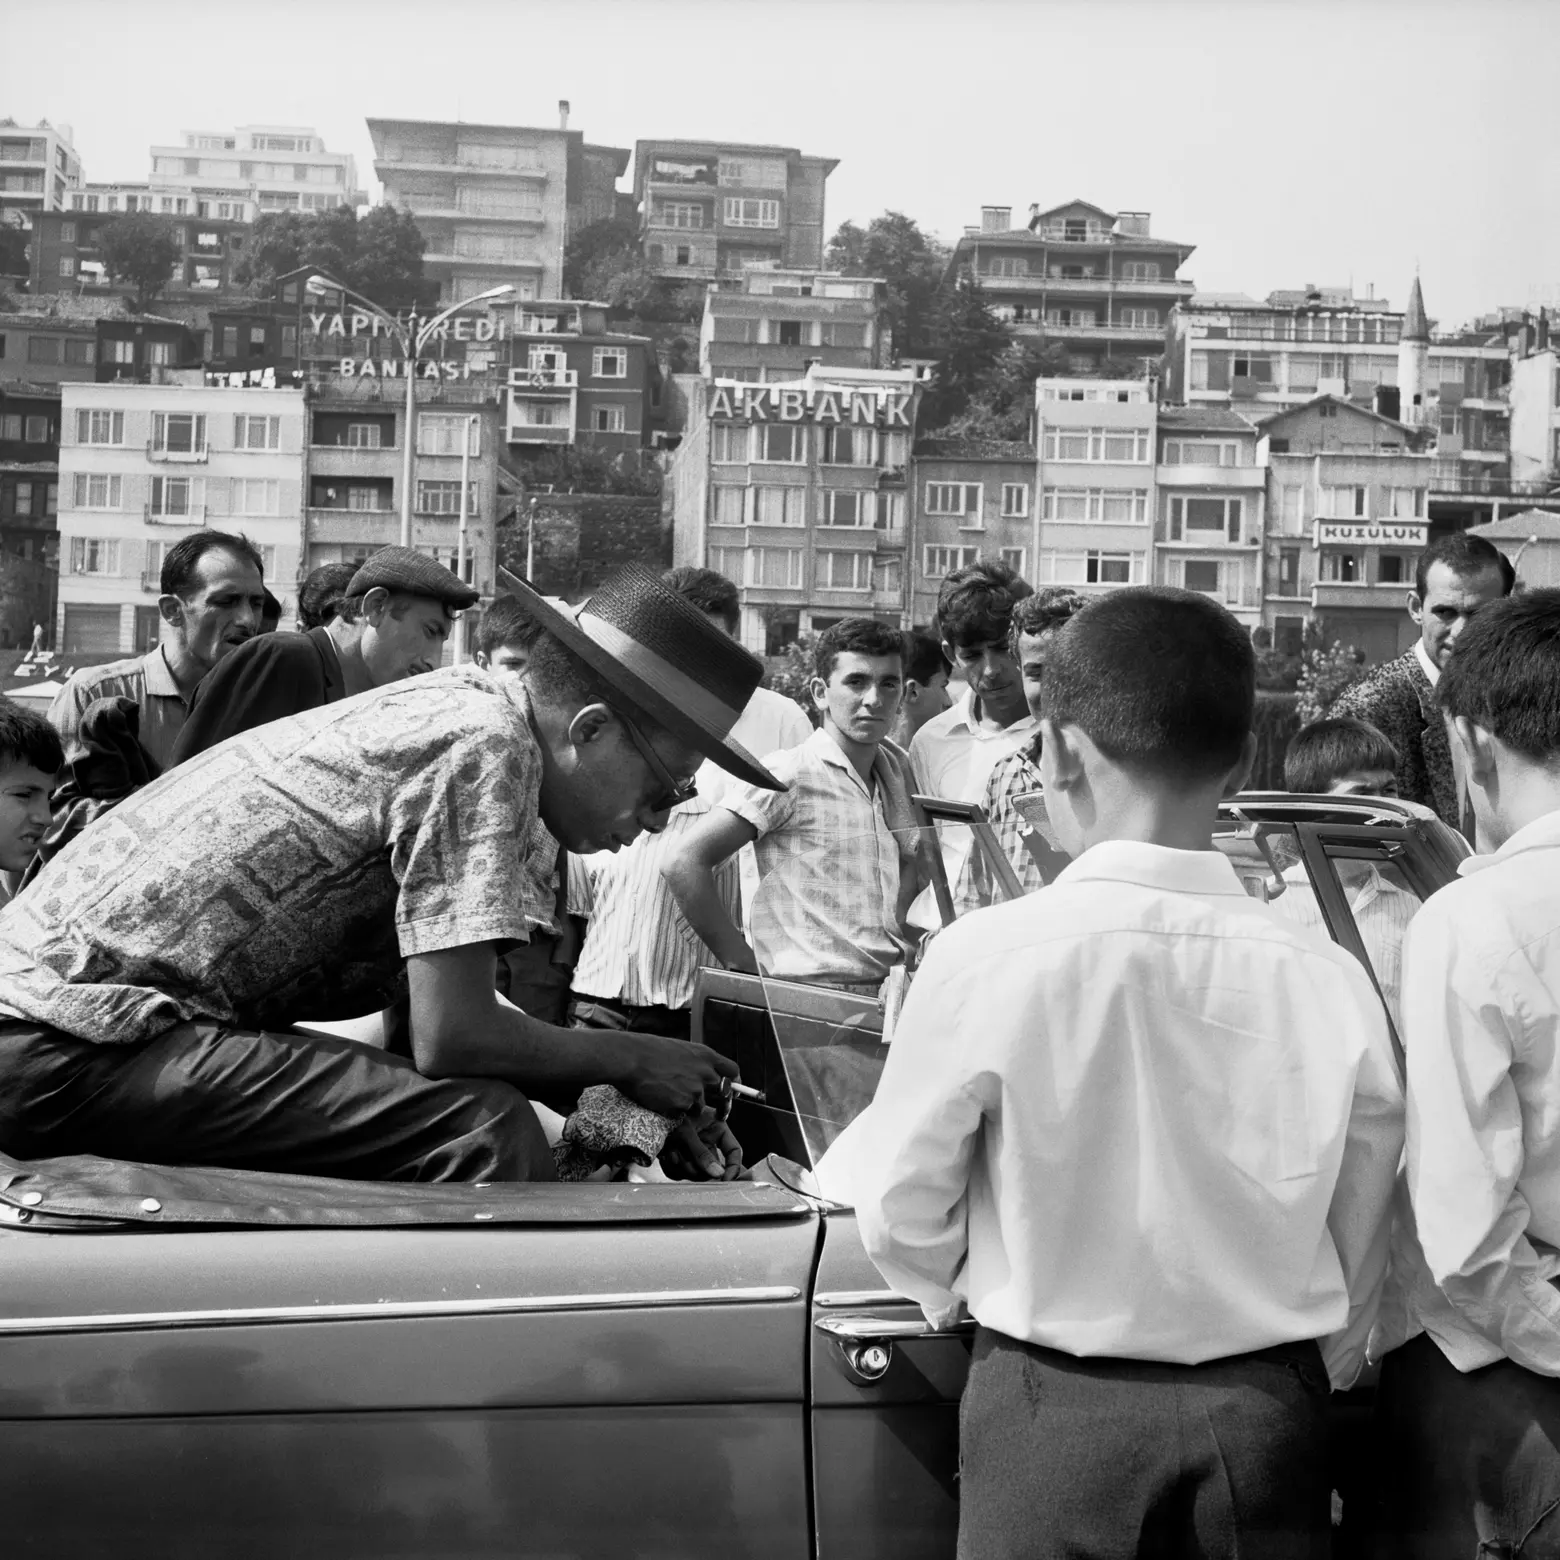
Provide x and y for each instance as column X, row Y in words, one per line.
column 639, row 948
column 837, row 864
column 145, row 679
column 1016, row 775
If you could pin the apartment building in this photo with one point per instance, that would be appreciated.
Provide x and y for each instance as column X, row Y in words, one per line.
column 46, row 349
column 1535, row 407
column 29, row 499
column 495, row 202
column 241, row 174
column 1210, row 507
column 970, row 499
column 708, row 208
column 768, row 326
column 146, row 347
column 67, row 254
column 39, row 168
column 1347, row 513
column 142, row 465
column 1097, row 282
column 797, row 493
column 573, row 381
column 1094, row 488
column 355, row 464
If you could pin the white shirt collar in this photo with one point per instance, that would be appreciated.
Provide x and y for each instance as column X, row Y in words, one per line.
column 1540, row 834
column 1426, row 665
column 963, row 714
column 1206, row 872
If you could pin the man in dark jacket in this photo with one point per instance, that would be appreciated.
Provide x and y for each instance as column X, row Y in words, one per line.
column 1452, row 581
column 392, row 624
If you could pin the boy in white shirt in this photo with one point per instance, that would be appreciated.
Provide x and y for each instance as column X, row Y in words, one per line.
column 1469, row 1411
column 1145, row 1132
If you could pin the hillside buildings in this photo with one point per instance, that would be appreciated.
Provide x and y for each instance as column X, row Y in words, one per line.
column 708, row 208
column 771, row 326
column 39, row 167
column 1097, row 282
column 67, row 253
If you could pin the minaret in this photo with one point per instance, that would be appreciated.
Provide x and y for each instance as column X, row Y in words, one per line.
column 1414, row 361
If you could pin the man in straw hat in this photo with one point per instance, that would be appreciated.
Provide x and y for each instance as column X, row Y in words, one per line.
column 325, row 865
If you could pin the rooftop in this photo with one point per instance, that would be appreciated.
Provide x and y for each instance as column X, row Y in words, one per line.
column 1540, row 523
column 1204, row 419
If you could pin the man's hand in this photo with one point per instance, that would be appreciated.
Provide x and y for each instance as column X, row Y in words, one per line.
column 702, row 1147
column 672, row 1076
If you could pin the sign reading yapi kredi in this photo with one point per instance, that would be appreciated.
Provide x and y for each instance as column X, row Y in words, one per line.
column 461, row 328
column 871, row 408
column 1371, row 533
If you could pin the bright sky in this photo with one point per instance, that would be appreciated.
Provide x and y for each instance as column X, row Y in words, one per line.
column 1291, row 141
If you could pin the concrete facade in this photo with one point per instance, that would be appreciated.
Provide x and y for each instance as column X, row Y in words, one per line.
column 797, row 493
column 1095, row 281
column 262, row 168
column 39, row 167
column 1531, row 540
column 44, row 349
column 1535, row 417
column 1095, row 482
column 67, row 255
column 142, row 466
column 767, row 326
column 708, row 208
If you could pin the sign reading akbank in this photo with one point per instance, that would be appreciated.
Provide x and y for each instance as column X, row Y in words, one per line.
column 812, row 403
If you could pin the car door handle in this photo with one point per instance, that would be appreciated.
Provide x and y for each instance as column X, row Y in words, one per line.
column 865, row 1344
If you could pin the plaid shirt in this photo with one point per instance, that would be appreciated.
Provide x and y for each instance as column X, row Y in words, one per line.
column 1014, row 776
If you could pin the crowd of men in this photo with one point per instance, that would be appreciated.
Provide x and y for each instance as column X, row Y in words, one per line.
column 1150, row 1132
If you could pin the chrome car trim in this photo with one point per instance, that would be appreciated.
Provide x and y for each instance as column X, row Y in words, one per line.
column 884, row 1329
column 400, row 1309
column 834, row 1298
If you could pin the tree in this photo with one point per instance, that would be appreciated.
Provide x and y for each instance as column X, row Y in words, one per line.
column 379, row 255
column 893, row 247
column 140, row 248
column 793, row 676
column 586, row 468
column 971, row 342
column 1002, row 400
column 1324, row 674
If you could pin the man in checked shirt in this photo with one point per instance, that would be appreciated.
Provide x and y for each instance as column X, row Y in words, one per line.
column 1034, row 856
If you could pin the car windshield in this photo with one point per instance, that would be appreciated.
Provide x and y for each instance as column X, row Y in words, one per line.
column 831, row 1031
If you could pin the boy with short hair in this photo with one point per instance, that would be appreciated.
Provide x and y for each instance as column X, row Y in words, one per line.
column 31, row 755
column 1341, row 756
column 505, row 635
column 926, row 693
column 1470, row 1411
column 1146, row 1132
column 837, row 850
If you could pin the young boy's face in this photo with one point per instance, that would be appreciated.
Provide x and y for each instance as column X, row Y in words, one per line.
column 1032, row 651
column 506, row 661
column 24, row 813
column 989, row 668
column 1365, row 782
column 861, row 696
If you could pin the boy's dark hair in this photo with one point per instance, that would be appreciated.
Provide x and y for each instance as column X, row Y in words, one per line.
column 321, row 593
column 1464, row 555
column 975, row 604
column 1042, row 610
column 179, row 564
column 1327, row 750
column 27, row 738
column 506, row 622
column 713, row 594
column 271, row 613
column 924, row 657
column 1162, row 681
column 859, row 636
column 1504, row 674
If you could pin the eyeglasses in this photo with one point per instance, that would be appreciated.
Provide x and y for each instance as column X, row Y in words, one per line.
column 674, row 792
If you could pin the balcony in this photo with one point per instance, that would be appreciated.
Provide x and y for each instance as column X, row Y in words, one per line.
column 543, row 378
column 427, row 162
column 160, row 452
column 194, row 515
column 539, row 433
column 1153, row 335
column 1252, row 477
column 1363, row 593
column 352, row 525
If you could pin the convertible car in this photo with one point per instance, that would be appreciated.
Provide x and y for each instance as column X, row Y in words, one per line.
column 201, row 1362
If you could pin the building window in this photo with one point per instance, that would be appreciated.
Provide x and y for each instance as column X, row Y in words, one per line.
column 261, row 433
column 775, row 568
column 729, row 443
column 1394, row 569
column 178, row 433
column 538, row 414
column 844, row 571
column 37, row 430
column 1257, row 369
column 363, row 436
column 1017, row 559
column 938, row 562
column 11, row 427
column 1345, row 502
column 443, row 433
column 953, row 498
column 67, row 265
column 43, row 349
column 100, row 427
column 783, row 442
column 79, row 352
column 1342, row 568
column 1201, row 452
column 1008, row 265
column 1140, row 271
column 610, row 363
column 119, row 350
column 853, row 508
column 22, row 500
column 680, row 214
column 443, row 498
column 1288, row 571
column 1407, row 503
column 96, row 490
column 752, row 213
column 365, row 498
column 175, row 498
column 254, row 496
column 1105, row 506
column 1090, row 568
column 1188, row 514
column 1138, row 319
column 1015, row 500
column 1202, row 574
column 844, row 446
column 728, row 506
column 781, row 506
column 607, row 419
column 159, row 354
column 94, row 555
column 1120, row 446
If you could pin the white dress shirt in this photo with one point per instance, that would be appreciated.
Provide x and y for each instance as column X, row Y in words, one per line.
column 1138, row 1115
column 1426, row 665
column 1481, row 1010
column 953, row 756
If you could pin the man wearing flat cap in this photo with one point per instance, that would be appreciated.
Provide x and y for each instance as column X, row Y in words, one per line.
column 391, row 624
column 330, row 864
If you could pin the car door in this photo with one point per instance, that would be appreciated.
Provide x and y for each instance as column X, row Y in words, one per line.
column 523, row 1371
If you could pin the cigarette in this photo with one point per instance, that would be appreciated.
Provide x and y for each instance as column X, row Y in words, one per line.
column 742, row 1091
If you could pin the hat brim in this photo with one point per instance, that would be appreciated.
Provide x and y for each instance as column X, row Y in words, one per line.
column 683, row 724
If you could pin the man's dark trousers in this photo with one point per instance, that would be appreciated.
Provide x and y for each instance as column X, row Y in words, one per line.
column 598, row 1013
column 1061, row 1456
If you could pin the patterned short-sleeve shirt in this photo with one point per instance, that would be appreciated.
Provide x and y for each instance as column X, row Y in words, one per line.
column 289, row 871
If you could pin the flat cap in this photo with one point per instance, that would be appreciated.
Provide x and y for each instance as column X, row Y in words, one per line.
column 400, row 568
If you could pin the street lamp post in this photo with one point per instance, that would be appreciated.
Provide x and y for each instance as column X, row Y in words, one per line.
column 412, row 337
